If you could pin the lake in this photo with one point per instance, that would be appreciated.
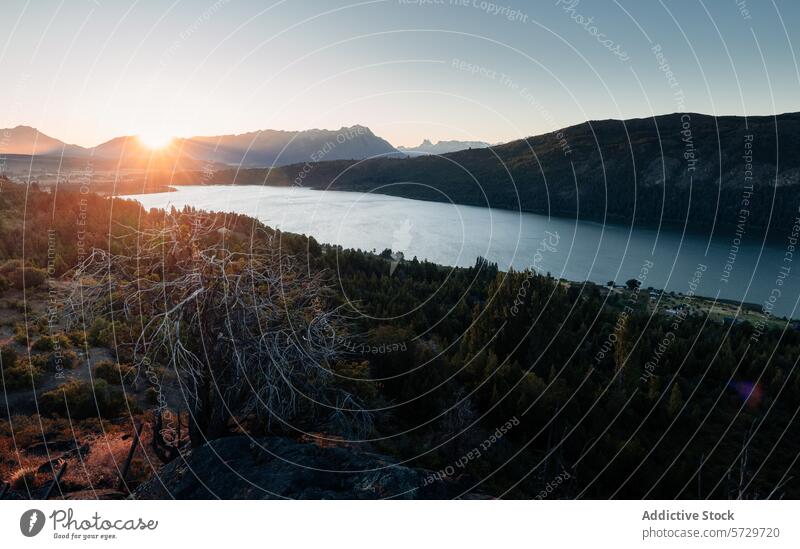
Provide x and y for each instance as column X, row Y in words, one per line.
column 456, row 235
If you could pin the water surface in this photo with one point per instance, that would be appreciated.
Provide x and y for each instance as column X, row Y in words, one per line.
column 456, row 235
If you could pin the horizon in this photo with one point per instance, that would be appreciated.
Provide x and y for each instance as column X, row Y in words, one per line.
column 408, row 146
column 468, row 72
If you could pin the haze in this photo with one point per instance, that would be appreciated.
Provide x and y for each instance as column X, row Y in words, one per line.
column 88, row 71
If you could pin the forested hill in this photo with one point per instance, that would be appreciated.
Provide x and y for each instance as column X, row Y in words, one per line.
column 620, row 170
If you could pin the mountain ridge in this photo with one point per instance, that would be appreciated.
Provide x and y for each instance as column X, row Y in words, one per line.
column 677, row 168
column 256, row 148
column 442, row 147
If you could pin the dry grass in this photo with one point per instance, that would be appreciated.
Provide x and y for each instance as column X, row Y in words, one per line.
column 25, row 478
column 104, row 448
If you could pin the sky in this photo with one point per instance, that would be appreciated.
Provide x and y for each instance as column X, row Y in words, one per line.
column 85, row 71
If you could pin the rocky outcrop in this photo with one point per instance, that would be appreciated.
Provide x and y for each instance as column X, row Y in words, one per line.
column 275, row 468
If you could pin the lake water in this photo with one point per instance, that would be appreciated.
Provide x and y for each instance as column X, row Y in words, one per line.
column 456, row 235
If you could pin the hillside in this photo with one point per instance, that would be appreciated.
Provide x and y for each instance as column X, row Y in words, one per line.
column 514, row 365
column 650, row 169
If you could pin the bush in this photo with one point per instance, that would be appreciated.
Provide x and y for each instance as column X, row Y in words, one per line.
column 22, row 276
column 85, row 400
column 43, row 344
column 20, row 334
column 4, row 284
column 61, row 360
column 113, row 373
column 78, row 338
column 100, row 334
column 39, row 361
column 21, row 376
column 632, row 284
column 8, row 357
column 51, row 343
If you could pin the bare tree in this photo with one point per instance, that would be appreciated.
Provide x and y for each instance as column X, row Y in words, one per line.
column 241, row 323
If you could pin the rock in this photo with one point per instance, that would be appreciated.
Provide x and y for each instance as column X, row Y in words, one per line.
column 274, row 468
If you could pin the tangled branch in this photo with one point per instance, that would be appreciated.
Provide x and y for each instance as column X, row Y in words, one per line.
column 237, row 320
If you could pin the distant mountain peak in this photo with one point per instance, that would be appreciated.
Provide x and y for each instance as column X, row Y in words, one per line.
column 27, row 140
column 259, row 148
column 442, row 147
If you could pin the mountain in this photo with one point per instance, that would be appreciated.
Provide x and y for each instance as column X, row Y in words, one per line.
column 675, row 169
column 24, row 140
column 262, row 148
column 442, row 147
column 275, row 147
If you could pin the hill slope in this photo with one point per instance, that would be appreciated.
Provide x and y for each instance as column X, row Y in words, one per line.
column 669, row 168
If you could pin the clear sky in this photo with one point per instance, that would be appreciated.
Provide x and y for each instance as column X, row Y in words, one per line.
column 88, row 70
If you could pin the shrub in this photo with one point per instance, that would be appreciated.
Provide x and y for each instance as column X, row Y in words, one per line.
column 44, row 343
column 8, row 357
column 100, row 334
column 22, row 276
column 51, row 343
column 78, row 338
column 632, row 284
column 21, row 376
column 61, row 360
column 85, row 400
column 20, row 334
column 39, row 361
column 113, row 373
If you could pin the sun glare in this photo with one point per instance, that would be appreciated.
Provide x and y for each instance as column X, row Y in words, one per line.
column 154, row 140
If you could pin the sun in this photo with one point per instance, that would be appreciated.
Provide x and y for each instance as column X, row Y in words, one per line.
column 154, row 140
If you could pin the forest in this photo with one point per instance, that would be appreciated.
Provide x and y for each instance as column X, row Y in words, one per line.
column 504, row 384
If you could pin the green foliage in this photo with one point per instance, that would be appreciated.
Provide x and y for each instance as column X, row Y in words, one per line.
column 426, row 351
column 20, row 334
column 61, row 360
column 22, row 276
column 22, row 376
column 675, row 401
column 81, row 400
column 8, row 357
column 550, row 363
column 78, row 338
column 100, row 333
column 113, row 373
column 51, row 343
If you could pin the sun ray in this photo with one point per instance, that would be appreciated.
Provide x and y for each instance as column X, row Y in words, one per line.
column 154, row 139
